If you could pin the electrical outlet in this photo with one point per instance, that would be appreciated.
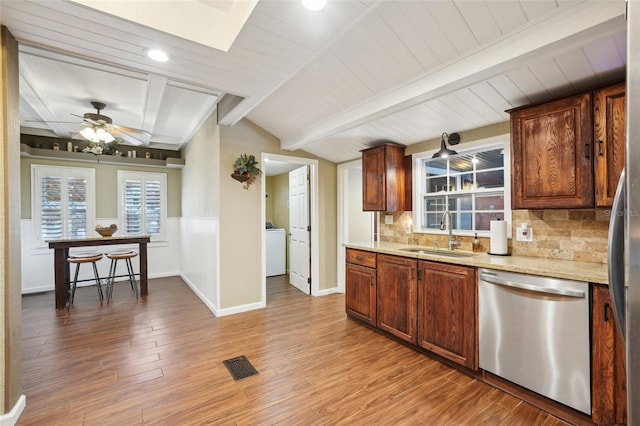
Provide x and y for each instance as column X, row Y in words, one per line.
column 524, row 233
column 388, row 219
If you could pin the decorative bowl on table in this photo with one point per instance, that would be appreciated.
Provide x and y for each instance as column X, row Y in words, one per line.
column 107, row 231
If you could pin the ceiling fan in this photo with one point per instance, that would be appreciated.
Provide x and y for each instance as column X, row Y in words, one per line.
column 99, row 128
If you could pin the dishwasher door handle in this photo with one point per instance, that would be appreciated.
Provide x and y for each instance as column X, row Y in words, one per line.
column 558, row 291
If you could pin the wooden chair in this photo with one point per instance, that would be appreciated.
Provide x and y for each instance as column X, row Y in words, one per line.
column 79, row 259
column 125, row 255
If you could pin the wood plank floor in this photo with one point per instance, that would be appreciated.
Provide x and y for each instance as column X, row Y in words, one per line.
column 158, row 361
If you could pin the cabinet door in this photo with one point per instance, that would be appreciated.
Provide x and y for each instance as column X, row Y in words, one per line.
column 397, row 298
column 551, row 154
column 383, row 179
column 360, row 293
column 373, row 188
column 609, row 112
column 447, row 312
column 608, row 382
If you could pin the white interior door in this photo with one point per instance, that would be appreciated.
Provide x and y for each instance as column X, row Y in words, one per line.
column 299, row 250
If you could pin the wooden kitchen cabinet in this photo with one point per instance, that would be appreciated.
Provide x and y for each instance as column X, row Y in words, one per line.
column 360, row 285
column 397, row 296
column 609, row 112
column 447, row 308
column 383, row 178
column 608, row 381
column 569, row 153
column 551, row 154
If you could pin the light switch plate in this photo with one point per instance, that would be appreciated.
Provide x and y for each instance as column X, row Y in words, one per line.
column 520, row 234
column 388, row 219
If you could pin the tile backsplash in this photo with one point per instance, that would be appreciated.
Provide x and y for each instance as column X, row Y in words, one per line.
column 557, row 234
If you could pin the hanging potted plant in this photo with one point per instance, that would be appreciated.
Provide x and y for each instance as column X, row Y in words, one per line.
column 245, row 170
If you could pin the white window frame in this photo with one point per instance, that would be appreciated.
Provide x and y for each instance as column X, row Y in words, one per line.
column 38, row 171
column 502, row 141
column 123, row 176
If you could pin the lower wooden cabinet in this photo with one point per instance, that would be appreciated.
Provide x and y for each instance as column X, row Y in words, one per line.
column 447, row 310
column 608, row 381
column 397, row 296
column 360, row 285
column 428, row 304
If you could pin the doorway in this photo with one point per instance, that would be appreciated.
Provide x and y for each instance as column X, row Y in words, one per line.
column 354, row 225
column 279, row 166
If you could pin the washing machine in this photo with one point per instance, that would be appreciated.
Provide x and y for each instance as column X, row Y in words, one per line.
column 276, row 247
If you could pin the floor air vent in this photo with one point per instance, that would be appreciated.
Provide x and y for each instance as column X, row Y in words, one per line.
column 240, row 367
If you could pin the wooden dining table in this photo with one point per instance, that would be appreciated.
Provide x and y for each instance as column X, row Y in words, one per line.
column 62, row 269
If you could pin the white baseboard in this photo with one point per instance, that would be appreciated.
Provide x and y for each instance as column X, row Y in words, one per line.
column 206, row 301
column 327, row 291
column 241, row 308
column 226, row 311
column 11, row 418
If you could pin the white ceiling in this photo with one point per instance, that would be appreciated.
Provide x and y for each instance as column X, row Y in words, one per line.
column 329, row 82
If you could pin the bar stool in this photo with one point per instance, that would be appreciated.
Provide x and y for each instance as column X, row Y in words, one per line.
column 79, row 259
column 125, row 255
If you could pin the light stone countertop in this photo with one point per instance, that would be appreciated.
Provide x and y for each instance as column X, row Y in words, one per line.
column 565, row 269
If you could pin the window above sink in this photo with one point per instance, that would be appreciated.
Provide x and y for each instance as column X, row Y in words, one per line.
column 472, row 185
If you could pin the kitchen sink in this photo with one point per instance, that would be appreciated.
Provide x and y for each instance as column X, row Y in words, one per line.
column 435, row 252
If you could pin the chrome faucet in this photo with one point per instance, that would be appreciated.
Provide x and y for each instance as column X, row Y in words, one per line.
column 445, row 223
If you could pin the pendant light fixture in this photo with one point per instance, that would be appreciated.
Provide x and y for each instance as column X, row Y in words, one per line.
column 444, row 152
column 314, row 5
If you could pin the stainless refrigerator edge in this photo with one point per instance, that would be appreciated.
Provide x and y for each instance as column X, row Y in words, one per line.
column 624, row 230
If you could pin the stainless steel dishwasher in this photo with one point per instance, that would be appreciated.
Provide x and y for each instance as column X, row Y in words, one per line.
column 534, row 331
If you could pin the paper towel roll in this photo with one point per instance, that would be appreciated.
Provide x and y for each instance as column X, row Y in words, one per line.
column 498, row 237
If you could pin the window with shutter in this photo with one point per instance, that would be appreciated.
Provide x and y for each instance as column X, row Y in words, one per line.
column 142, row 204
column 63, row 201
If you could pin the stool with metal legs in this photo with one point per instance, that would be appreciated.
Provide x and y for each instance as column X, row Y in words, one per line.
column 79, row 259
column 125, row 255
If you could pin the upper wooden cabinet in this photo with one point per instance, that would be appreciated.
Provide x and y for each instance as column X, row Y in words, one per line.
column 609, row 124
column 551, row 164
column 568, row 153
column 383, row 178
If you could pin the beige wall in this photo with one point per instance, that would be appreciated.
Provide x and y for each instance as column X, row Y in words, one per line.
column 106, row 185
column 241, row 222
column 465, row 137
column 10, row 279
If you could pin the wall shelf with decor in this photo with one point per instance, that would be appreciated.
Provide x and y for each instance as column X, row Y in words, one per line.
column 50, row 154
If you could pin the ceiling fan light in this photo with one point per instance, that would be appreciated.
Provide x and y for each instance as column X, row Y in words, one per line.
column 108, row 137
column 90, row 134
column 157, row 55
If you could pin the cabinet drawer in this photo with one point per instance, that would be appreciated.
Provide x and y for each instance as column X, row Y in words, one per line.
column 363, row 258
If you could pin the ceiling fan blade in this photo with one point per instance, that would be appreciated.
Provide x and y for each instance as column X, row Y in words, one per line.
column 141, row 135
column 131, row 130
column 45, row 122
column 119, row 134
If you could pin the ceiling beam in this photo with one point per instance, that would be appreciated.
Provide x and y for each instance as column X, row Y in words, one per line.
column 587, row 20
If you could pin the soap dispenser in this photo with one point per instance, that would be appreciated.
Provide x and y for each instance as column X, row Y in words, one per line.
column 475, row 244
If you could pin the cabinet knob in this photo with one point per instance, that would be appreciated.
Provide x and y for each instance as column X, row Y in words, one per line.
column 600, row 153
column 586, row 150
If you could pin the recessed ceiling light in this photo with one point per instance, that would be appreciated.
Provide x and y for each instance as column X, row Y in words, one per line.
column 314, row 4
column 157, row 55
